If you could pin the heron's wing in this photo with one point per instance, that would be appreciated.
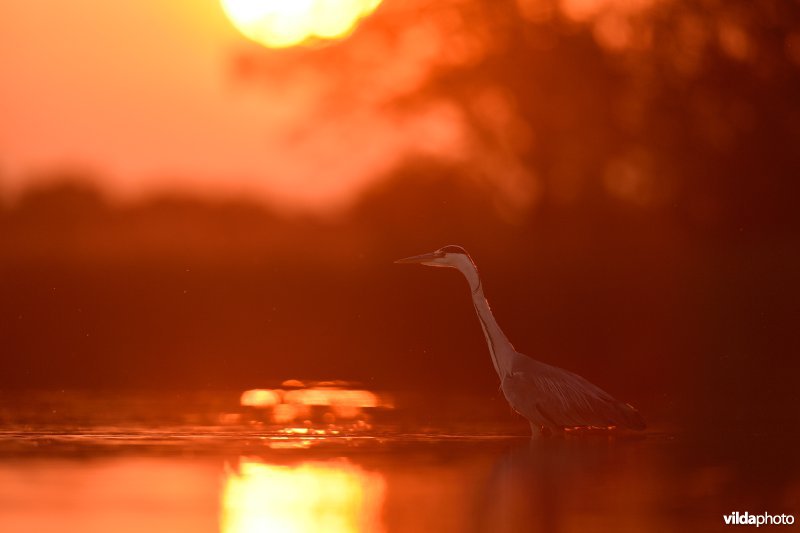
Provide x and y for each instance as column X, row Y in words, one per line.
column 540, row 391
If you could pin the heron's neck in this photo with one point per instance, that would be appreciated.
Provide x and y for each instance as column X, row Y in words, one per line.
column 500, row 348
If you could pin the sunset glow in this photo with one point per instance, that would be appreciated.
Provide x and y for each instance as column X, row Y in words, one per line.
column 332, row 496
column 279, row 24
column 189, row 107
column 260, row 398
column 338, row 402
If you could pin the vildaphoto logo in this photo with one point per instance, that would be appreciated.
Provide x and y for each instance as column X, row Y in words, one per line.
column 764, row 519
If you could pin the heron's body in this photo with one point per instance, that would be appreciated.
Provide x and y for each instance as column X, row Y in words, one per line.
column 550, row 398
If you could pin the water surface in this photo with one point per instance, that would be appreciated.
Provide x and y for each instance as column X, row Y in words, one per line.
column 202, row 462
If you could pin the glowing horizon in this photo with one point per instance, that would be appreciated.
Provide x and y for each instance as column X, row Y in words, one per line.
column 167, row 110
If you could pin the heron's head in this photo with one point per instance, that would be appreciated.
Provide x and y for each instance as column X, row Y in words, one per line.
column 448, row 256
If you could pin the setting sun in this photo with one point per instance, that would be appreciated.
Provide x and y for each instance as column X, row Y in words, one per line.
column 283, row 23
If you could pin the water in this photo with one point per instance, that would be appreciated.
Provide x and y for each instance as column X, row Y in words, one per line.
column 202, row 462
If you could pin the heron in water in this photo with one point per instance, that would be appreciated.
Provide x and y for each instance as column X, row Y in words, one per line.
column 550, row 398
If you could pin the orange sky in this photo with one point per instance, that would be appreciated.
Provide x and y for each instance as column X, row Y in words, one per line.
column 142, row 94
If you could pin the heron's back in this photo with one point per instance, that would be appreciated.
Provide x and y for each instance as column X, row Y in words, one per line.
column 552, row 397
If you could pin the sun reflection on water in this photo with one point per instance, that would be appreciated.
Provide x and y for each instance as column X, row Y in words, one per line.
column 333, row 405
column 333, row 496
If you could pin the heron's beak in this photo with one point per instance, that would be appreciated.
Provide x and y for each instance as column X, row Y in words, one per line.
column 424, row 258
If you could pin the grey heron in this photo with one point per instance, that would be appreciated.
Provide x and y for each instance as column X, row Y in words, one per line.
column 550, row 398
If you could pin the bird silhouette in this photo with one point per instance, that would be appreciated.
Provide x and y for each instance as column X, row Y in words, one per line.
column 550, row 398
